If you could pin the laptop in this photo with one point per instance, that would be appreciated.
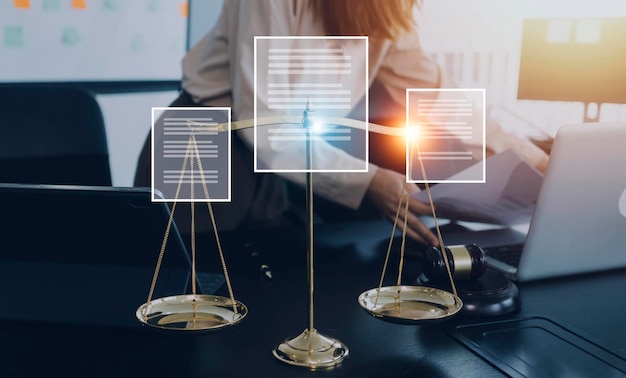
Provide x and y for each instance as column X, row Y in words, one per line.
column 579, row 221
column 86, row 254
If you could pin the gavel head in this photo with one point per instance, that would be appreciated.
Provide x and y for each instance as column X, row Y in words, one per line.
column 467, row 262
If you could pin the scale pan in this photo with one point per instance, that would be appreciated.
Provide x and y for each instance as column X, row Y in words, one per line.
column 191, row 313
column 410, row 304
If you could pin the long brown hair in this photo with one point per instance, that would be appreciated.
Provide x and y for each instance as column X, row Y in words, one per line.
column 375, row 18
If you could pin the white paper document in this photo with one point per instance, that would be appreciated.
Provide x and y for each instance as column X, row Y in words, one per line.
column 325, row 76
column 508, row 196
column 446, row 120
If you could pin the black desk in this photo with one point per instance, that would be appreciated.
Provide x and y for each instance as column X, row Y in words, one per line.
column 348, row 261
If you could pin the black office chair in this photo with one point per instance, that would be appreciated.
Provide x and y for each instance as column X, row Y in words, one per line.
column 52, row 134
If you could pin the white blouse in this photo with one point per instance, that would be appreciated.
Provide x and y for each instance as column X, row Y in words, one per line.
column 222, row 63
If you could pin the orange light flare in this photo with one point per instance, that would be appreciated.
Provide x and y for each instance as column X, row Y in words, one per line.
column 413, row 136
column 408, row 138
column 416, row 138
column 390, row 151
column 419, row 143
column 412, row 132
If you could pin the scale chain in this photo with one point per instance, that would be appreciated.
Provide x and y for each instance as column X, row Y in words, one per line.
column 403, row 196
column 214, row 224
column 192, row 148
column 169, row 226
column 432, row 208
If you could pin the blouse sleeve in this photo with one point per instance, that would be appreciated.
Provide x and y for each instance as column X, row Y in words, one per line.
column 205, row 66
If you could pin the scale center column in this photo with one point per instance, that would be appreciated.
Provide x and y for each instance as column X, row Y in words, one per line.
column 310, row 348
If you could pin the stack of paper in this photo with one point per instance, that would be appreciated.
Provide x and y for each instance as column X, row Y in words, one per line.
column 508, row 196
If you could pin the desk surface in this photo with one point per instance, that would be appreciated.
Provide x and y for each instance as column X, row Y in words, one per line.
column 348, row 261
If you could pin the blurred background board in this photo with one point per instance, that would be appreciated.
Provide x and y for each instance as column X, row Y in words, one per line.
column 89, row 40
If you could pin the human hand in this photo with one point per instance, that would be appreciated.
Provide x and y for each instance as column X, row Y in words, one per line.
column 385, row 191
column 526, row 149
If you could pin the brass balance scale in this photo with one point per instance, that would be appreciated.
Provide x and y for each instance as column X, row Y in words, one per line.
column 397, row 304
column 192, row 312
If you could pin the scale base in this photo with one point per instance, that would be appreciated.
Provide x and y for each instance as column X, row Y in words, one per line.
column 311, row 349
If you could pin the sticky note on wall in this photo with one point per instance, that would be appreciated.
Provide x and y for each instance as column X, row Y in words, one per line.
column 23, row 4
column 112, row 4
column 70, row 36
column 51, row 5
column 138, row 42
column 79, row 4
column 155, row 6
column 13, row 36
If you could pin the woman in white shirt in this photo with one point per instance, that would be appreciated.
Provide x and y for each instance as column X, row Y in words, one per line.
column 219, row 71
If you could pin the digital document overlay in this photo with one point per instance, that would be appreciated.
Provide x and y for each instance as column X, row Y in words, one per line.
column 325, row 76
column 190, row 152
column 445, row 131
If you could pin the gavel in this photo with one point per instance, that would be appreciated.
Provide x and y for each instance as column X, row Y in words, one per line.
column 467, row 262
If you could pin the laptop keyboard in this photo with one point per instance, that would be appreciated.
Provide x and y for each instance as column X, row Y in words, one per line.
column 509, row 254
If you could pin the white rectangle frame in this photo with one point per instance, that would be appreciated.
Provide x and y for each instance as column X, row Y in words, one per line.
column 155, row 194
column 366, row 160
column 484, row 144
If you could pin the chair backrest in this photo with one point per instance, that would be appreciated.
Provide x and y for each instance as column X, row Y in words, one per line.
column 52, row 134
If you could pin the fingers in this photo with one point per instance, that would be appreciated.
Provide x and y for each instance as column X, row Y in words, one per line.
column 418, row 207
column 385, row 191
column 417, row 230
column 530, row 152
column 538, row 159
column 415, row 205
